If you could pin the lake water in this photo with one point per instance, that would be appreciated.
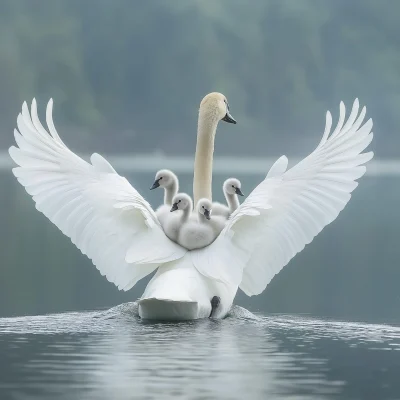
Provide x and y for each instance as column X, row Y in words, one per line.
column 112, row 354
column 350, row 272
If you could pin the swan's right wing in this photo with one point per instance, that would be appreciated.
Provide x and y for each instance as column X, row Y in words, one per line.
column 289, row 208
column 105, row 217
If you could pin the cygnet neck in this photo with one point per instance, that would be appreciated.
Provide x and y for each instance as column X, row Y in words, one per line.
column 186, row 214
column 232, row 201
column 170, row 191
column 202, row 219
column 203, row 162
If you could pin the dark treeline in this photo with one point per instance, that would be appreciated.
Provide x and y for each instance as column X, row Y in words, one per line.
column 128, row 75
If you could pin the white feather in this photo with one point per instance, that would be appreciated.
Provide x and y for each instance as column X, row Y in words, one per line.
column 105, row 217
column 289, row 208
column 110, row 222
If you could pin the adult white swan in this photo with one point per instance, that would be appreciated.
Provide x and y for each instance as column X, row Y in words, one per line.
column 110, row 222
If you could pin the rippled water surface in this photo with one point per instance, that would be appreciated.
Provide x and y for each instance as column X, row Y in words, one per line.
column 114, row 355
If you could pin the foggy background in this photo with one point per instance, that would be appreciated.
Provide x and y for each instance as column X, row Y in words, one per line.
column 127, row 78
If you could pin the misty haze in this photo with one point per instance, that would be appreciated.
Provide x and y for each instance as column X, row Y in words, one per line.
column 127, row 78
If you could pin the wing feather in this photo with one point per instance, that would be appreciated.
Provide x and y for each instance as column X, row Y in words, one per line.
column 102, row 214
column 289, row 208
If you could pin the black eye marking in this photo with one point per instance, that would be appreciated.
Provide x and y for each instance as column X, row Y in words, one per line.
column 179, row 201
column 202, row 206
column 233, row 186
column 160, row 178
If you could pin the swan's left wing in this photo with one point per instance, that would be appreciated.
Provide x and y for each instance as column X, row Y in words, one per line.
column 289, row 208
column 102, row 214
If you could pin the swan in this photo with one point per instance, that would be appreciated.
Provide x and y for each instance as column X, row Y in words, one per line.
column 167, row 180
column 195, row 234
column 231, row 188
column 216, row 223
column 193, row 230
column 110, row 222
column 173, row 224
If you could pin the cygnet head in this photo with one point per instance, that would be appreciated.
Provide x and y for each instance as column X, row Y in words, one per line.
column 181, row 201
column 215, row 107
column 164, row 178
column 204, row 207
column 233, row 186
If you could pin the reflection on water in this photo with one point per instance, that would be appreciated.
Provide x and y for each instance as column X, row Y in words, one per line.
column 114, row 355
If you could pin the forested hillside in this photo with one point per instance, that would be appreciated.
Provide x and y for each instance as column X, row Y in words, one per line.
column 128, row 73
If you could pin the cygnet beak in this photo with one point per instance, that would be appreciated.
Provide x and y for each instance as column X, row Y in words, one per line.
column 207, row 214
column 156, row 184
column 228, row 118
column 239, row 192
column 174, row 207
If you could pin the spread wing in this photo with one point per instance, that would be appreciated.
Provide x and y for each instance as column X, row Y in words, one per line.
column 290, row 207
column 105, row 217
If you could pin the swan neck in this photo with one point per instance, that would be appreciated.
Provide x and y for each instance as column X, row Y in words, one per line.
column 233, row 202
column 186, row 214
column 203, row 162
column 170, row 192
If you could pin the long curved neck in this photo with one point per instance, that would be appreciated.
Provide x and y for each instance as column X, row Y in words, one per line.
column 186, row 213
column 203, row 161
column 170, row 192
column 233, row 201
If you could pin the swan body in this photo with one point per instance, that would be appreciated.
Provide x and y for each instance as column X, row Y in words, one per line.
column 220, row 210
column 110, row 222
column 232, row 187
column 217, row 223
column 167, row 180
column 200, row 233
column 178, row 291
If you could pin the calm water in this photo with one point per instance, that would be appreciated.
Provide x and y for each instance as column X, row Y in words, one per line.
column 114, row 355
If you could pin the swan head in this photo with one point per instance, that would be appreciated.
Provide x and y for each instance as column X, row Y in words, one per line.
column 181, row 201
column 215, row 107
column 233, row 186
column 204, row 207
column 164, row 178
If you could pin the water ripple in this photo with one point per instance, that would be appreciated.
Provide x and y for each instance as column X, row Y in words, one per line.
column 113, row 354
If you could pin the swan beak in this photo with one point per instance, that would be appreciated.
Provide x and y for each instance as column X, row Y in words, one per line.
column 156, row 184
column 174, row 207
column 207, row 214
column 239, row 192
column 228, row 118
